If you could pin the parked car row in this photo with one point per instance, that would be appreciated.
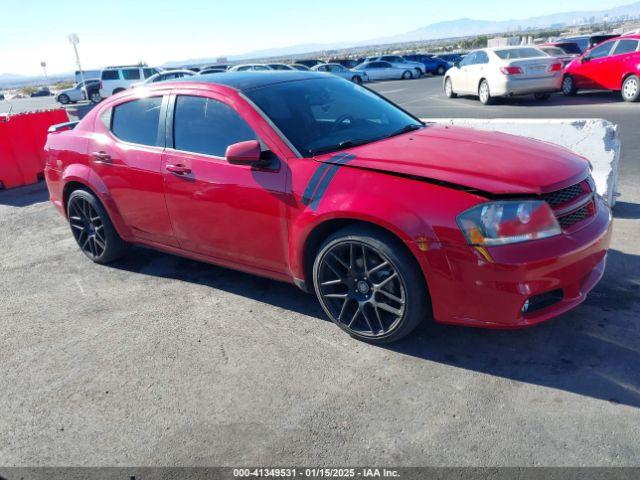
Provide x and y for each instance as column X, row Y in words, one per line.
column 613, row 64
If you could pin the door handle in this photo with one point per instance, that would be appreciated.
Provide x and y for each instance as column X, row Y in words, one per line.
column 101, row 157
column 178, row 169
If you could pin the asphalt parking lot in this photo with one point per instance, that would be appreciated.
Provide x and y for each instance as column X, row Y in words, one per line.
column 158, row 360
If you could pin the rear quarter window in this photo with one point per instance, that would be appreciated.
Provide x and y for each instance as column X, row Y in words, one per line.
column 131, row 74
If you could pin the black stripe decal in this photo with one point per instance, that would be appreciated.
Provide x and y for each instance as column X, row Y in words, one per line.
column 307, row 196
column 326, row 180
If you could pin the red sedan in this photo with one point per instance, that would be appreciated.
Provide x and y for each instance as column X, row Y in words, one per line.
column 611, row 65
column 313, row 180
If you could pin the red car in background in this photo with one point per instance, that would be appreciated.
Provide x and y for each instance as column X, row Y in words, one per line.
column 611, row 65
column 310, row 179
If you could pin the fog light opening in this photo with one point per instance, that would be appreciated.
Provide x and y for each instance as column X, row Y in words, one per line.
column 541, row 301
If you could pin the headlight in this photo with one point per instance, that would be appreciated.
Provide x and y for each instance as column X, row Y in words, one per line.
column 504, row 222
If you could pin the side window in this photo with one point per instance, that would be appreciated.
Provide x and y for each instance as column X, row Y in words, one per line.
column 625, row 46
column 204, row 125
column 110, row 75
column 131, row 74
column 601, row 50
column 482, row 57
column 148, row 72
column 137, row 121
column 468, row 60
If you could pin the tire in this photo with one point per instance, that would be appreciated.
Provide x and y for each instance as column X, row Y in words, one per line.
column 95, row 98
column 352, row 292
column 357, row 79
column 407, row 75
column 92, row 228
column 568, row 86
column 448, row 88
column 440, row 70
column 64, row 99
column 484, row 93
column 542, row 96
column 118, row 90
column 631, row 89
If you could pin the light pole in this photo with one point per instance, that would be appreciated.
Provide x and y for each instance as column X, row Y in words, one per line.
column 44, row 68
column 74, row 40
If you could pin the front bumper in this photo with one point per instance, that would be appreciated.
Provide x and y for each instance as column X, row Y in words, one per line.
column 523, row 86
column 471, row 289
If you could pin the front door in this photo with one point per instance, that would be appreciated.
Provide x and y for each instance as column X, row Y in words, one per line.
column 232, row 212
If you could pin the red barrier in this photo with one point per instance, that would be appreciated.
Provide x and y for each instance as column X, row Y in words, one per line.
column 22, row 139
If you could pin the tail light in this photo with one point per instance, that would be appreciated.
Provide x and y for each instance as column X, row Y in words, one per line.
column 511, row 70
column 556, row 67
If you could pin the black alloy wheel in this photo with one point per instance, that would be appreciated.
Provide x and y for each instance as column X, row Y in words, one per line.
column 370, row 286
column 92, row 229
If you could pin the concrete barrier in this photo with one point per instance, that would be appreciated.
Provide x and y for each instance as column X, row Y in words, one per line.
column 595, row 139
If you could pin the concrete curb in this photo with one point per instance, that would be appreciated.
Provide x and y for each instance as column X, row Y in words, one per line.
column 593, row 138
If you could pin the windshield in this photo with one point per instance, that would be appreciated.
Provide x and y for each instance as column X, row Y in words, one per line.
column 512, row 53
column 328, row 114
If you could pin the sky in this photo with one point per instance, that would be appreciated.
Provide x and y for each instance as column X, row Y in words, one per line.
column 155, row 31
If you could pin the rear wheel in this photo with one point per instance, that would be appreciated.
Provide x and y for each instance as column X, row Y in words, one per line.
column 370, row 285
column 92, row 228
column 357, row 79
column 448, row 88
column 568, row 86
column 631, row 88
column 64, row 99
column 406, row 75
column 542, row 96
column 484, row 93
column 95, row 97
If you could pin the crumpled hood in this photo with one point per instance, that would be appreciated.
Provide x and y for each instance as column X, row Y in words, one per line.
column 492, row 162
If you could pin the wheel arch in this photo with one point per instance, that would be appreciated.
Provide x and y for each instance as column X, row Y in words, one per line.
column 312, row 242
column 80, row 178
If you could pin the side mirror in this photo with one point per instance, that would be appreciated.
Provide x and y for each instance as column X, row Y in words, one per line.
column 585, row 58
column 244, row 153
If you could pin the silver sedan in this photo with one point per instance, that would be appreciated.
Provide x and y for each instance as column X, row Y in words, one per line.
column 384, row 71
column 337, row 69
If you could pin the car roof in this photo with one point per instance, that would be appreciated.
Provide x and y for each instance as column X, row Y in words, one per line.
column 249, row 80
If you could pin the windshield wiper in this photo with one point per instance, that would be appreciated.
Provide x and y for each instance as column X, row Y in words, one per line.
column 407, row 128
column 340, row 146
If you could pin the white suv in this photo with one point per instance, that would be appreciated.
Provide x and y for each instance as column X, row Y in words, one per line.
column 116, row 79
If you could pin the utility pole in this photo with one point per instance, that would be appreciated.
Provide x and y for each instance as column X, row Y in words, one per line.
column 74, row 40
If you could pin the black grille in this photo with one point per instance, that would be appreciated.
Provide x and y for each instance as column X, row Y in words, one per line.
column 573, row 218
column 563, row 196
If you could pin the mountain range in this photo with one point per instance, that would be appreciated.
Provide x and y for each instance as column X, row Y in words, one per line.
column 463, row 27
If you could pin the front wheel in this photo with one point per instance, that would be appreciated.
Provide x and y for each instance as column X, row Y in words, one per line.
column 568, row 86
column 369, row 285
column 484, row 93
column 92, row 228
column 448, row 88
column 631, row 88
column 407, row 75
column 64, row 99
column 440, row 70
column 357, row 79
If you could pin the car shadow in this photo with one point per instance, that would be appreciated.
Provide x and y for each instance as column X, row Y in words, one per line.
column 24, row 196
column 593, row 350
column 626, row 210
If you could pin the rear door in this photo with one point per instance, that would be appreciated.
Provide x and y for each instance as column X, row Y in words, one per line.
column 231, row 212
column 126, row 154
